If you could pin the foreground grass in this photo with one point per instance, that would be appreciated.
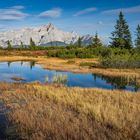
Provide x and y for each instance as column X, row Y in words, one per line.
column 52, row 112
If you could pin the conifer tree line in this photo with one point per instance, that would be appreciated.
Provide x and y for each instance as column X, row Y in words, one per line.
column 96, row 41
column 137, row 41
column 9, row 46
column 121, row 36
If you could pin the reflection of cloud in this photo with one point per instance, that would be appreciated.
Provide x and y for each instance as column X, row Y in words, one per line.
column 135, row 9
column 53, row 13
column 85, row 11
column 12, row 13
column 7, row 76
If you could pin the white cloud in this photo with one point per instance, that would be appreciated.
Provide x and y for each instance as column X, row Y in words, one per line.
column 95, row 26
column 135, row 9
column 12, row 13
column 85, row 11
column 100, row 23
column 18, row 7
column 53, row 13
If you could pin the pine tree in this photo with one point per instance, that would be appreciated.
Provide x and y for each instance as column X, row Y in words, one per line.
column 9, row 46
column 32, row 44
column 96, row 41
column 79, row 42
column 121, row 37
column 137, row 41
column 51, row 44
column 21, row 45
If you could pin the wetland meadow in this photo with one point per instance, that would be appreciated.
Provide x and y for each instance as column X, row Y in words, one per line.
column 57, row 85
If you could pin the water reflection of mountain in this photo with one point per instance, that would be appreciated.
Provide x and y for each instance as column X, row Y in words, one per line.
column 120, row 82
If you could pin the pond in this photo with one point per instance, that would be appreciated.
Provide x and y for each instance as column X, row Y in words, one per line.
column 29, row 72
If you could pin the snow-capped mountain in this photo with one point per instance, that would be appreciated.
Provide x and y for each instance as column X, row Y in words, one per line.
column 43, row 35
column 87, row 39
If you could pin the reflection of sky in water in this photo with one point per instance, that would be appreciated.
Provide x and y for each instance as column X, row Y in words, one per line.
column 31, row 72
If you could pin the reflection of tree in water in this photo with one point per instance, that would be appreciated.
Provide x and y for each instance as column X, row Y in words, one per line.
column 119, row 82
column 32, row 64
column 21, row 63
column 9, row 63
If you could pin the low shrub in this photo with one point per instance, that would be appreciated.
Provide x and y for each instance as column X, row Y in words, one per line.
column 121, row 61
column 89, row 64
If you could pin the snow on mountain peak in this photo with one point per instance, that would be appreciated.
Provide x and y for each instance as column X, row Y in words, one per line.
column 40, row 35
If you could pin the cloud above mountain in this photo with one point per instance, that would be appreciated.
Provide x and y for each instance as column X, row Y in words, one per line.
column 85, row 11
column 12, row 13
column 18, row 7
column 52, row 13
column 129, row 10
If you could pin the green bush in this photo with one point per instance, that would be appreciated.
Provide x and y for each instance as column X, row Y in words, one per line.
column 121, row 61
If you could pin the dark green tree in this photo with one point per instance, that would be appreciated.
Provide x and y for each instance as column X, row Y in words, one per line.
column 32, row 44
column 21, row 45
column 137, row 41
column 96, row 41
column 1, row 48
column 9, row 46
column 121, row 37
column 79, row 42
column 51, row 44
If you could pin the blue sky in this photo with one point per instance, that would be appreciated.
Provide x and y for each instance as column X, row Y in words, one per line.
column 82, row 16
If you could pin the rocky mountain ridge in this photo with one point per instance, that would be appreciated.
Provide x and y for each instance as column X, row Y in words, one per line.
column 42, row 36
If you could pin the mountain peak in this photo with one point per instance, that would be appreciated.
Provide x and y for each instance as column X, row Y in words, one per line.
column 41, row 35
column 48, row 27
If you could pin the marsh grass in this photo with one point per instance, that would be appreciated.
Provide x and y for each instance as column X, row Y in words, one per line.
column 46, row 79
column 57, row 79
column 41, row 112
column 60, row 79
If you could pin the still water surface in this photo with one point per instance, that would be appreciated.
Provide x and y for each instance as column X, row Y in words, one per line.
column 34, row 72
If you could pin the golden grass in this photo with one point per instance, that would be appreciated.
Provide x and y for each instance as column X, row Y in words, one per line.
column 42, row 112
column 64, row 65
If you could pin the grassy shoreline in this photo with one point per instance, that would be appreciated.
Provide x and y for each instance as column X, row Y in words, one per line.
column 72, row 65
column 57, row 112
